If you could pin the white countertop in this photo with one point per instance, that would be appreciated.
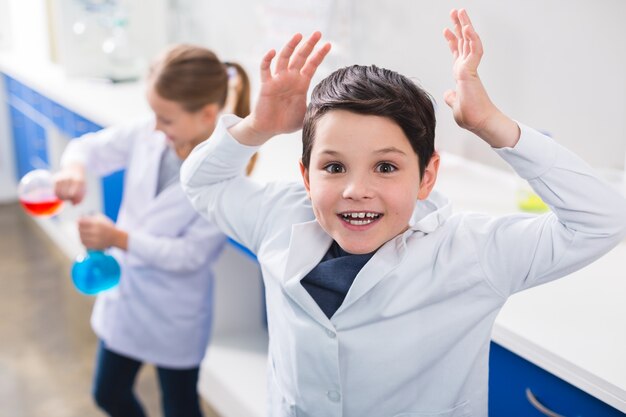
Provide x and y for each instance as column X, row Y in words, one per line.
column 573, row 327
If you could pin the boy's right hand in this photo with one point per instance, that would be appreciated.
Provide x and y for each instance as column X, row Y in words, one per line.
column 281, row 104
column 69, row 183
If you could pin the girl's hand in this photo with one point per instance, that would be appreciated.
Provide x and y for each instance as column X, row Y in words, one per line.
column 99, row 232
column 281, row 104
column 69, row 183
column 471, row 106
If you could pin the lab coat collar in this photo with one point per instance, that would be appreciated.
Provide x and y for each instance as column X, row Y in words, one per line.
column 430, row 214
column 309, row 242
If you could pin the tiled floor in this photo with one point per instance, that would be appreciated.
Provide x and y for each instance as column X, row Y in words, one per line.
column 46, row 344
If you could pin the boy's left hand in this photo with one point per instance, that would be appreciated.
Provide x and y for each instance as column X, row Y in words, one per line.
column 97, row 232
column 471, row 106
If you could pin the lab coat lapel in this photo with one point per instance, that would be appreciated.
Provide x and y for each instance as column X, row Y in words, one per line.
column 149, row 174
column 171, row 195
column 383, row 263
column 308, row 244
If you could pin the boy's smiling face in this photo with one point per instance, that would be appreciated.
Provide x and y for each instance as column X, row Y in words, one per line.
column 363, row 179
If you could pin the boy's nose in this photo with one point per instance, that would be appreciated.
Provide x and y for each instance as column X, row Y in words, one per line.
column 357, row 189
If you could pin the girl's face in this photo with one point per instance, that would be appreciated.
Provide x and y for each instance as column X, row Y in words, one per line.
column 182, row 128
column 363, row 179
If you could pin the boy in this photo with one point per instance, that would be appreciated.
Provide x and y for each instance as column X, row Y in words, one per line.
column 380, row 302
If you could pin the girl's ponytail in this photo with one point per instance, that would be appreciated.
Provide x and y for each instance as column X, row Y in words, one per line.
column 238, row 98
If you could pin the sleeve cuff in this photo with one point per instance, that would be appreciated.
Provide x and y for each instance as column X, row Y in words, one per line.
column 139, row 244
column 532, row 156
column 73, row 155
column 229, row 146
column 226, row 157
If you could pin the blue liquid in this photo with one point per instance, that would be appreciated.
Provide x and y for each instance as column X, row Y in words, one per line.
column 95, row 272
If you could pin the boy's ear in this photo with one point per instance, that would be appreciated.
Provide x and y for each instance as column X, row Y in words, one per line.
column 305, row 178
column 429, row 178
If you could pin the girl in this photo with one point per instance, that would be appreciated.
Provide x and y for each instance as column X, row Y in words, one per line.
column 161, row 310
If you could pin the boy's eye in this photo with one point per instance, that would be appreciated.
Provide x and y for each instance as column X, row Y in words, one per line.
column 385, row 168
column 334, row 168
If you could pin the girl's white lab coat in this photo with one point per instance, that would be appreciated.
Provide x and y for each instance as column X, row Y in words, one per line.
column 412, row 335
column 161, row 310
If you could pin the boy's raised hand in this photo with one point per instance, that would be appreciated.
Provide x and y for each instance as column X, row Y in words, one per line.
column 281, row 104
column 471, row 106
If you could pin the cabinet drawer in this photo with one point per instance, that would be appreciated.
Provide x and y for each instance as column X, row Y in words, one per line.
column 510, row 376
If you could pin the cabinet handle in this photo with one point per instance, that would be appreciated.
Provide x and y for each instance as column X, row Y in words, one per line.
column 540, row 407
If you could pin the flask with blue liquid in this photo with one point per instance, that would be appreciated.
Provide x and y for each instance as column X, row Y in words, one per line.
column 94, row 272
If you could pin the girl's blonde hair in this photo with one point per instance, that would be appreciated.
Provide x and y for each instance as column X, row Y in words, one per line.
column 193, row 76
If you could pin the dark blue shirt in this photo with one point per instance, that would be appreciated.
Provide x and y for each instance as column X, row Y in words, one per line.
column 329, row 282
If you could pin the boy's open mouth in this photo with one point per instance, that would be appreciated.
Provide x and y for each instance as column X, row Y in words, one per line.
column 359, row 218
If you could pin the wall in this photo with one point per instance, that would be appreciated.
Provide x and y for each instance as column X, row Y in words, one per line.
column 558, row 66
column 5, row 25
column 26, row 31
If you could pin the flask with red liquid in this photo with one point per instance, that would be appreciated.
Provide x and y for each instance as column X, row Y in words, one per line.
column 36, row 194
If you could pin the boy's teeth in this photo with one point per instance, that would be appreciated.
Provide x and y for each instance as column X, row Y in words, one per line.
column 360, row 218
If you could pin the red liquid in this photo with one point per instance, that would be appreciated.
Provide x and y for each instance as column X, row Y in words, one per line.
column 42, row 208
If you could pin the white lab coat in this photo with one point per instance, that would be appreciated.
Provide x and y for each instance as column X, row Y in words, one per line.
column 161, row 310
column 412, row 335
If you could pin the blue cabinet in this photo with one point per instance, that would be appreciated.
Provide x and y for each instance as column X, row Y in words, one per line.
column 31, row 113
column 112, row 186
column 512, row 378
column 29, row 142
column 20, row 147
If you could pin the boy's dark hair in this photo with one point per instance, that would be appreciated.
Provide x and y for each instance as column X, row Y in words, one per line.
column 374, row 91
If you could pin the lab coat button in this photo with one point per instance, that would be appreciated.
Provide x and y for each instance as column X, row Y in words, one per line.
column 330, row 333
column 334, row 396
